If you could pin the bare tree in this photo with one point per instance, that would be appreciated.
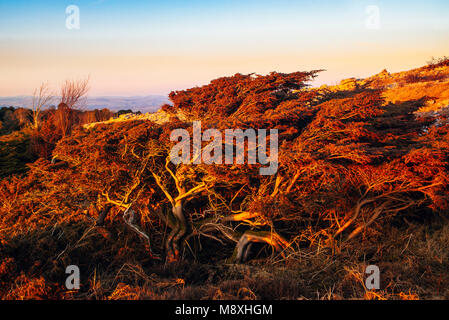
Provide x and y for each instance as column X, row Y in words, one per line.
column 73, row 93
column 41, row 97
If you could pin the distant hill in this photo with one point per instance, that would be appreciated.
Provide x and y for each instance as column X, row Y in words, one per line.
column 149, row 103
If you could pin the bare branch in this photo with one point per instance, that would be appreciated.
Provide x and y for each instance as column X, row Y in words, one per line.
column 41, row 98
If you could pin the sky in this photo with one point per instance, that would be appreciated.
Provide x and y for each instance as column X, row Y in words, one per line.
column 131, row 48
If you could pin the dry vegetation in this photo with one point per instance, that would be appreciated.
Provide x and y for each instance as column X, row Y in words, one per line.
column 362, row 179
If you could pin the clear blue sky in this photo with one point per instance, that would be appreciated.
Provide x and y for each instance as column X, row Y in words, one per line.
column 144, row 47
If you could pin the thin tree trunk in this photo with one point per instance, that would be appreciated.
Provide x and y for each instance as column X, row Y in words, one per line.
column 175, row 240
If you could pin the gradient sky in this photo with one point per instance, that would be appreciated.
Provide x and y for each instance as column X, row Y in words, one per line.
column 153, row 47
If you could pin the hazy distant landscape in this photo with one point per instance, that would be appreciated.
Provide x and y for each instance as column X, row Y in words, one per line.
column 143, row 104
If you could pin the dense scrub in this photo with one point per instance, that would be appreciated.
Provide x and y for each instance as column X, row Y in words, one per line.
column 22, row 143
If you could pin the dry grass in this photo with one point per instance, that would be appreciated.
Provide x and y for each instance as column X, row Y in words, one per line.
column 413, row 263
